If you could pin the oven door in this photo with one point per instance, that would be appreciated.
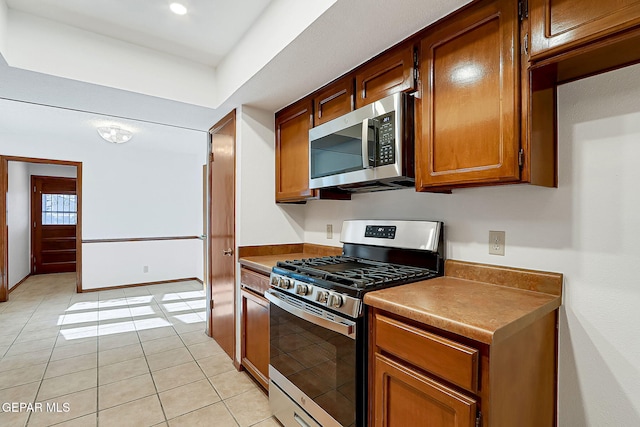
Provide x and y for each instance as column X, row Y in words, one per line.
column 313, row 362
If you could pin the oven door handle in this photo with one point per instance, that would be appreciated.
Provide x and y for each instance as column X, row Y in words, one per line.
column 297, row 418
column 341, row 328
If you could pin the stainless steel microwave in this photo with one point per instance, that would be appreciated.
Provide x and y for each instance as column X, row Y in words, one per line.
column 368, row 149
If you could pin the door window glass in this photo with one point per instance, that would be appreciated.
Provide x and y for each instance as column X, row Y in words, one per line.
column 59, row 209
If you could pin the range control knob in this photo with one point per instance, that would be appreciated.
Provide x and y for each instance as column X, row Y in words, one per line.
column 322, row 297
column 302, row 289
column 286, row 283
column 275, row 281
column 335, row 301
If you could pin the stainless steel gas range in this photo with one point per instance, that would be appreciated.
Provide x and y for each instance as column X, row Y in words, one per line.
column 318, row 324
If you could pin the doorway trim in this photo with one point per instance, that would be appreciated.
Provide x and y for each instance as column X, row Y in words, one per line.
column 4, row 238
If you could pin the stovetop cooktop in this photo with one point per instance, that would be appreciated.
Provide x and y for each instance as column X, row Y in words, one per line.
column 355, row 273
column 376, row 254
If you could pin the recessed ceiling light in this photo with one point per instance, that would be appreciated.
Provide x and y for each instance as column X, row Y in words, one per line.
column 178, row 8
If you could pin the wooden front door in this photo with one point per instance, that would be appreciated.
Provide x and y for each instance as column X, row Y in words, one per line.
column 54, row 217
column 221, row 302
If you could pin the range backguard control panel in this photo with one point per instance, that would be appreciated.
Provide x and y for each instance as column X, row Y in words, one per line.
column 380, row 231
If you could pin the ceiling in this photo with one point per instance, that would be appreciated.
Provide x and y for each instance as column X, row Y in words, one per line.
column 209, row 30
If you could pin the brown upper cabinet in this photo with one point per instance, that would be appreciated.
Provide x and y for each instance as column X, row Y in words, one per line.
column 389, row 73
column 486, row 90
column 559, row 26
column 334, row 100
column 469, row 112
column 292, row 152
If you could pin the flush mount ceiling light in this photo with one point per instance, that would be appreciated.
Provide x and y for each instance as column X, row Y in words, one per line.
column 114, row 134
column 178, row 8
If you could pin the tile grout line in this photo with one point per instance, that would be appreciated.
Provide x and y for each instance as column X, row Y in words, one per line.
column 153, row 380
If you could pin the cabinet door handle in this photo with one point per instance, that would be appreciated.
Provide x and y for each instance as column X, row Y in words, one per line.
column 227, row 252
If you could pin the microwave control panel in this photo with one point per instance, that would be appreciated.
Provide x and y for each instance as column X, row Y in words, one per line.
column 386, row 128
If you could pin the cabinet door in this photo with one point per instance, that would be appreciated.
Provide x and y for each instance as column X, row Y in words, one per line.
column 390, row 73
column 333, row 101
column 469, row 114
column 255, row 336
column 558, row 26
column 402, row 396
column 292, row 152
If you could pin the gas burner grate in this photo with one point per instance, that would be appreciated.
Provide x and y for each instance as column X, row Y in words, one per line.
column 355, row 272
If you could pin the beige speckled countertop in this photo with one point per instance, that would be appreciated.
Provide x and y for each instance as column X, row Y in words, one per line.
column 478, row 310
column 263, row 258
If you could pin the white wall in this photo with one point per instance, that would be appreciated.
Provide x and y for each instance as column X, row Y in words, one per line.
column 18, row 213
column 260, row 219
column 129, row 191
column 587, row 229
column 141, row 194
column 109, row 264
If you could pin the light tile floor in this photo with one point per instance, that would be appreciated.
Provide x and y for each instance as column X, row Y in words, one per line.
column 122, row 357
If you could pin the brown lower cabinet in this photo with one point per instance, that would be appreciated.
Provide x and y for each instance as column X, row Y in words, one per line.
column 404, row 395
column 418, row 372
column 255, row 325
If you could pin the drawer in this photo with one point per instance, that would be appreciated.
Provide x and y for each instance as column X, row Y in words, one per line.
column 255, row 281
column 447, row 359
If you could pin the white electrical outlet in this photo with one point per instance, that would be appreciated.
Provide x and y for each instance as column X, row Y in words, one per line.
column 496, row 242
column 145, row 269
column 329, row 231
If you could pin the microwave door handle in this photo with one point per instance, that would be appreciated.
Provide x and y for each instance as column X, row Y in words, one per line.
column 365, row 144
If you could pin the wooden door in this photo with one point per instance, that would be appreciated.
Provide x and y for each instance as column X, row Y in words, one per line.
column 403, row 396
column 469, row 113
column 221, row 238
column 390, row 73
column 255, row 336
column 54, row 214
column 292, row 152
column 558, row 26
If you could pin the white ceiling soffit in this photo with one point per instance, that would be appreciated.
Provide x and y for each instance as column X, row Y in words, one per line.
column 38, row 88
